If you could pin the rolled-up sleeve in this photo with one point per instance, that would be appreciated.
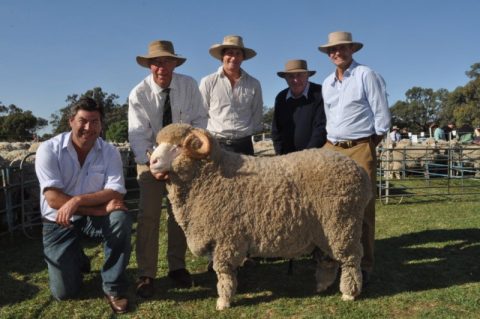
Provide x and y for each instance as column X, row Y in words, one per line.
column 114, row 178
column 46, row 167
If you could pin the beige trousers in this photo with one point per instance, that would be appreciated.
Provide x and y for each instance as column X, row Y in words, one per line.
column 364, row 154
column 152, row 192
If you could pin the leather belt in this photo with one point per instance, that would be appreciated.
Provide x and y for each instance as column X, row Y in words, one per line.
column 350, row 143
column 48, row 221
column 232, row 141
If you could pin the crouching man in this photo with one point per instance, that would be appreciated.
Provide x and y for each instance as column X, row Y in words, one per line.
column 82, row 187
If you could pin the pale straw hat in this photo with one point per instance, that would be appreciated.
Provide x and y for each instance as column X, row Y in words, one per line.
column 231, row 41
column 340, row 37
column 295, row 66
column 157, row 49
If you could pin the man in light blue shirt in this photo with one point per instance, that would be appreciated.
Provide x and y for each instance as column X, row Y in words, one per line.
column 81, row 191
column 358, row 117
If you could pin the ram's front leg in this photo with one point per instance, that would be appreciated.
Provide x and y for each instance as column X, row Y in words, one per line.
column 226, row 288
column 226, row 260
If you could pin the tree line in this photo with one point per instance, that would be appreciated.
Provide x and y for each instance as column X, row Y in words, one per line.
column 421, row 107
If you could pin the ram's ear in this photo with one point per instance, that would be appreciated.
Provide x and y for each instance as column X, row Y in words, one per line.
column 197, row 144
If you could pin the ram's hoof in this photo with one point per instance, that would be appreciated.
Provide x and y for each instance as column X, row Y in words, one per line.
column 348, row 298
column 222, row 304
column 321, row 288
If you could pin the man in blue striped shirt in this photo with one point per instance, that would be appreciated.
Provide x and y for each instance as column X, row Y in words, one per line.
column 358, row 117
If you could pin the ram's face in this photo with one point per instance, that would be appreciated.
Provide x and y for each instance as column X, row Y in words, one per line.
column 176, row 139
column 162, row 158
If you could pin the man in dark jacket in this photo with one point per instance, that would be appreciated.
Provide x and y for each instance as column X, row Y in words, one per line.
column 299, row 117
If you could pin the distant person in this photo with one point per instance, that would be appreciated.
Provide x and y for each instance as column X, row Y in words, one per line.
column 82, row 187
column 299, row 118
column 163, row 97
column 358, row 117
column 465, row 134
column 449, row 130
column 232, row 97
column 395, row 135
column 438, row 133
column 476, row 138
column 404, row 133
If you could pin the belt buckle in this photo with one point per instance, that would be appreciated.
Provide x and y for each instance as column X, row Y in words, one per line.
column 344, row 144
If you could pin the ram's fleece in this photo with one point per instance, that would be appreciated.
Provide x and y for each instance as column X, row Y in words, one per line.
column 231, row 205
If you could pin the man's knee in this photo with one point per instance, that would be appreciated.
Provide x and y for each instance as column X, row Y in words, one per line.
column 121, row 222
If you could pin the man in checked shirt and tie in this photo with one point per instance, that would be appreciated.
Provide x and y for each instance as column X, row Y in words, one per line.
column 163, row 97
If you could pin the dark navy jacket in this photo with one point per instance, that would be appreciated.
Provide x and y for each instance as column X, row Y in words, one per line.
column 299, row 123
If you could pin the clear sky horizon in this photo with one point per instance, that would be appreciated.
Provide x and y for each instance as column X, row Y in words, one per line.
column 52, row 49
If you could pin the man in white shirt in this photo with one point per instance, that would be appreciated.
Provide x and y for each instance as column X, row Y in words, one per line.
column 395, row 134
column 82, row 187
column 358, row 117
column 163, row 97
column 232, row 97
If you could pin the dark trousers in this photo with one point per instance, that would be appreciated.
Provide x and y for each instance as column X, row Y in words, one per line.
column 243, row 145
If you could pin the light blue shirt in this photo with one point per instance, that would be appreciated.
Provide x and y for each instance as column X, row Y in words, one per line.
column 439, row 134
column 357, row 106
column 57, row 165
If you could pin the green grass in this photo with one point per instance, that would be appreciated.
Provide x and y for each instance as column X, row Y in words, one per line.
column 428, row 266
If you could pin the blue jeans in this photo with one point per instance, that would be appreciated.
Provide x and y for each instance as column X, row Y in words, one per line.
column 64, row 254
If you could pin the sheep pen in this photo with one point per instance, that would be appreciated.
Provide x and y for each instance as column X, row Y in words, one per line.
column 231, row 205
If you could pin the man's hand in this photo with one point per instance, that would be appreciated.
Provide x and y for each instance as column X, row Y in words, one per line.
column 65, row 213
column 115, row 204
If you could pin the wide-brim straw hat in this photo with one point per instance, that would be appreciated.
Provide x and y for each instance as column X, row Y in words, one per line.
column 340, row 37
column 157, row 49
column 296, row 66
column 231, row 41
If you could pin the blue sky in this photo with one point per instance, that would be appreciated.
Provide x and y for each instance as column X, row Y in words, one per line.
column 51, row 49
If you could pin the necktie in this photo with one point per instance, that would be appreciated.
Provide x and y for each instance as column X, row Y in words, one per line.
column 167, row 108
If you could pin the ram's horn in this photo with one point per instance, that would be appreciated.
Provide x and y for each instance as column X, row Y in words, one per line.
column 192, row 147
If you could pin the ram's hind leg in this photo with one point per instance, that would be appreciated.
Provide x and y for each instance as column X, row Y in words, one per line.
column 351, row 281
column 226, row 288
column 326, row 271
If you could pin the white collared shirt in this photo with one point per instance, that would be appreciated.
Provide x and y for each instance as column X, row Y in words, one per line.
column 304, row 93
column 145, row 111
column 357, row 106
column 57, row 165
column 233, row 113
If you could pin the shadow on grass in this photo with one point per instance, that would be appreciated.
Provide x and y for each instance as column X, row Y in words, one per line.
column 420, row 261
column 425, row 260
column 20, row 260
column 264, row 282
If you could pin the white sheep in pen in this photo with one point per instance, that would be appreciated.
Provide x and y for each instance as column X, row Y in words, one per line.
column 231, row 205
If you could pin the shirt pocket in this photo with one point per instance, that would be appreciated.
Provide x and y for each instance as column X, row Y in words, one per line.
column 95, row 179
column 245, row 98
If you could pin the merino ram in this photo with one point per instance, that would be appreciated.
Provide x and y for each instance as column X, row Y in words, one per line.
column 231, row 205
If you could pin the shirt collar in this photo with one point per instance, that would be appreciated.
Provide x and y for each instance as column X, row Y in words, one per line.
column 67, row 142
column 222, row 73
column 348, row 72
column 305, row 92
column 157, row 89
